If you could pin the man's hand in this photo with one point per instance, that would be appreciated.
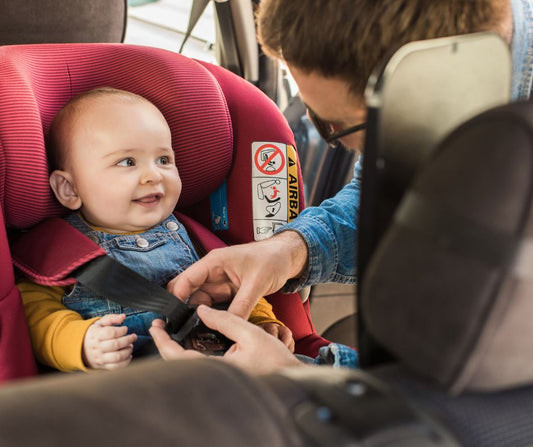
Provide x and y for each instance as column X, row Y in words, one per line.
column 283, row 333
column 107, row 346
column 242, row 272
column 254, row 350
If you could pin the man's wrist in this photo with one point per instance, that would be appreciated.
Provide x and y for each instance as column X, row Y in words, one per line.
column 296, row 246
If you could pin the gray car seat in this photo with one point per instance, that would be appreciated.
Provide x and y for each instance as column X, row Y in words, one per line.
column 48, row 21
column 448, row 290
column 425, row 90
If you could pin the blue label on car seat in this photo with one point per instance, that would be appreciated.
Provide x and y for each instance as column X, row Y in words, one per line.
column 219, row 208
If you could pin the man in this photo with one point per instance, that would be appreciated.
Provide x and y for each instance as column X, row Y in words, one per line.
column 331, row 49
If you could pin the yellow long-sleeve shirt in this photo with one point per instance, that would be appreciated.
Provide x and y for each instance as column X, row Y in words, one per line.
column 57, row 333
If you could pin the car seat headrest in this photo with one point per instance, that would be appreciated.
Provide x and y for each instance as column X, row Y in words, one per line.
column 37, row 80
column 63, row 21
column 449, row 289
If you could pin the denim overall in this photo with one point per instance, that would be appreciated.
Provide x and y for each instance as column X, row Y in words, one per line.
column 159, row 254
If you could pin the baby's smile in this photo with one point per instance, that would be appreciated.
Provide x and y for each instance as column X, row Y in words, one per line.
column 149, row 200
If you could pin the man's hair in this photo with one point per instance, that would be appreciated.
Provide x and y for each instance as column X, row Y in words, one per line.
column 55, row 142
column 347, row 39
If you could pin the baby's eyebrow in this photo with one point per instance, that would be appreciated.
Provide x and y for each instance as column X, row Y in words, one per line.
column 129, row 151
column 118, row 152
column 167, row 151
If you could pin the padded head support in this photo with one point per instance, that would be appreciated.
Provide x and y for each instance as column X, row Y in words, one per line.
column 449, row 290
column 37, row 80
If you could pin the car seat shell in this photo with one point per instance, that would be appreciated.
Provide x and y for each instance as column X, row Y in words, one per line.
column 214, row 117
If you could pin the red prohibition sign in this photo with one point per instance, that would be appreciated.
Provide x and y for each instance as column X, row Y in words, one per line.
column 262, row 165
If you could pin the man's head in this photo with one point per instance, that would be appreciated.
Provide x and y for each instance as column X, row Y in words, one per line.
column 343, row 41
column 112, row 159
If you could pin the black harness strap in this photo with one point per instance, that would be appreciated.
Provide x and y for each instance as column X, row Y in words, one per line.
column 108, row 277
column 111, row 279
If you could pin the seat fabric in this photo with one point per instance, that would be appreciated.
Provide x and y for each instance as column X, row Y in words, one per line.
column 56, row 21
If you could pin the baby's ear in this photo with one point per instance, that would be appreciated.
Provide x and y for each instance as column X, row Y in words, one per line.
column 64, row 189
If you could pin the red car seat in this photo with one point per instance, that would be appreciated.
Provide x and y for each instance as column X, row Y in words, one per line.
column 219, row 123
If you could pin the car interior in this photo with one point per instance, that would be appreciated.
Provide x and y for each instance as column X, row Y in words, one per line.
column 444, row 262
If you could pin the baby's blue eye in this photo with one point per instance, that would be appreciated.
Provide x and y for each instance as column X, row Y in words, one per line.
column 163, row 160
column 126, row 162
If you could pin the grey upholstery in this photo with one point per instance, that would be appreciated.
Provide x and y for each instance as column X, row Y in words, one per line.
column 475, row 419
column 151, row 403
column 449, row 288
column 57, row 21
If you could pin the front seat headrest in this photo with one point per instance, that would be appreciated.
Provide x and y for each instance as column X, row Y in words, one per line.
column 449, row 290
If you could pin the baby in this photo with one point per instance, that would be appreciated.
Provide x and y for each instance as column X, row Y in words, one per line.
column 113, row 165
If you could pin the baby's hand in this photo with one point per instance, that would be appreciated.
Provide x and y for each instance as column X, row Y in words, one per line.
column 107, row 346
column 281, row 332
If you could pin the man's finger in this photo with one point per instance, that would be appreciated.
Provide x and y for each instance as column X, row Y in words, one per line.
column 200, row 297
column 189, row 281
column 228, row 324
column 167, row 347
column 158, row 323
column 243, row 303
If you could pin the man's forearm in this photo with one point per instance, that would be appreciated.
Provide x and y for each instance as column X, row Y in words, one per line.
column 296, row 247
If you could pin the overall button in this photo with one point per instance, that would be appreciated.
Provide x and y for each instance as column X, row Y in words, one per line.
column 142, row 242
column 172, row 226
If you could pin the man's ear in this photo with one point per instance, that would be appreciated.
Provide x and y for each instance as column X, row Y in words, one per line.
column 64, row 189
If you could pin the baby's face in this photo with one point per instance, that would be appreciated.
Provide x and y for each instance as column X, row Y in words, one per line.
column 122, row 162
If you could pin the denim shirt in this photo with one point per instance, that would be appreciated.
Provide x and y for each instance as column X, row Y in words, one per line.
column 522, row 49
column 330, row 231
column 159, row 254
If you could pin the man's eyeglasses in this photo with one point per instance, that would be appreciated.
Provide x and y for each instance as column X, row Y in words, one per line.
column 326, row 131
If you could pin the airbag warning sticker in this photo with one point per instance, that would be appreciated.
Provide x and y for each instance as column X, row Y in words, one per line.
column 274, row 187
